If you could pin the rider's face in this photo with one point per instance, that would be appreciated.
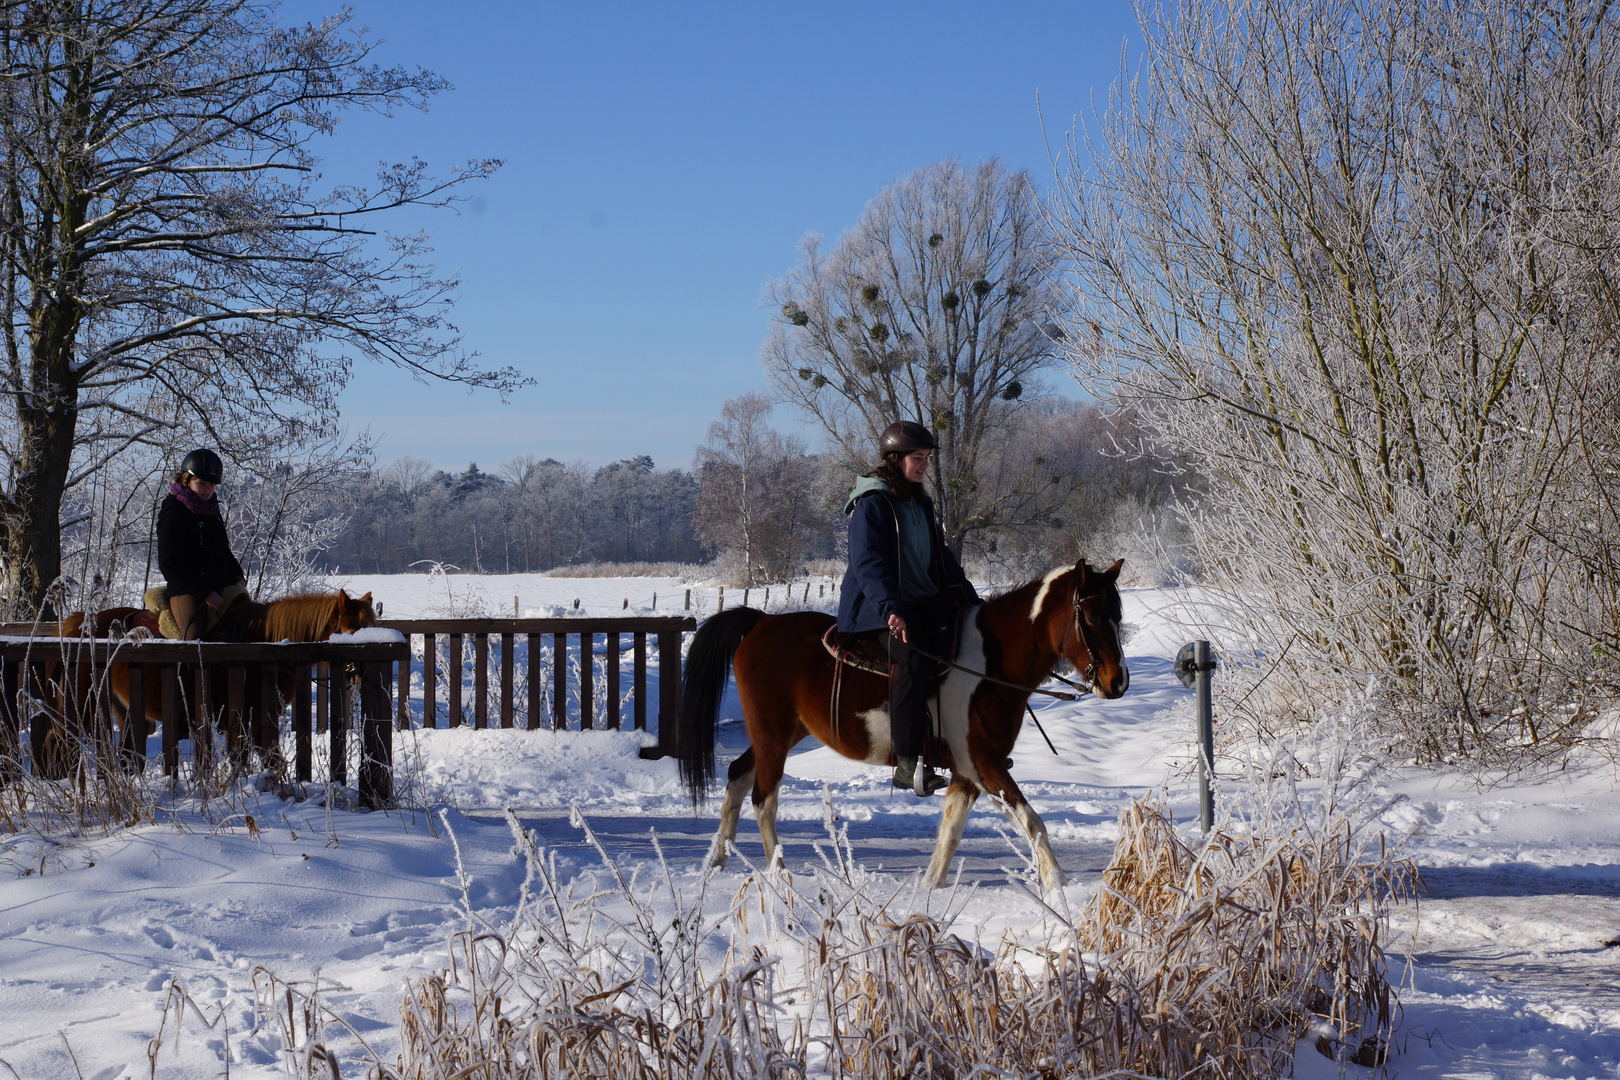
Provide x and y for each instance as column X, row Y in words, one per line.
column 203, row 488
column 915, row 465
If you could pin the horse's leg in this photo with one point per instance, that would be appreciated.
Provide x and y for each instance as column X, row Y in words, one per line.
column 959, row 800
column 739, row 780
column 769, row 762
column 996, row 780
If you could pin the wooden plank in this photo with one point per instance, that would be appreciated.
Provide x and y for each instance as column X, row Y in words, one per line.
column 638, row 681
column 559, row 681
column 587, row 678
column 533, row 718
column 669, row 691
column 268, row 720
column 506, row 680
column 171, row 719
column 202, row 718
column 376, row 781
column 132, row 740
column 100, row 650
column 303, row 741
column 647, row 623
column 236, row 733
column 10, row 721
column 430, row 680
column 323, row 677
column 337, row 695
column 480, row 681
column 452, row 671
column 613, row 681
column 402, row 694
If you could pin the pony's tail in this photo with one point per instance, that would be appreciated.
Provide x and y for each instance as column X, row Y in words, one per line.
column 708, row 665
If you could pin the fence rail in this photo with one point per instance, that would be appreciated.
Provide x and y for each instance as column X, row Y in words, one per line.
column 66, row 677
column 664, row 632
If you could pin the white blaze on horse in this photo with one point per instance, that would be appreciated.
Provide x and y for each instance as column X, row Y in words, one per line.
column 785, row 679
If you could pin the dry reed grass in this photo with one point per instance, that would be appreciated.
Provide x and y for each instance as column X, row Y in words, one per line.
column 1208, row 960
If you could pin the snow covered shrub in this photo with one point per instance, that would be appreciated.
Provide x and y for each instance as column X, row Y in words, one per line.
column 1239, row 945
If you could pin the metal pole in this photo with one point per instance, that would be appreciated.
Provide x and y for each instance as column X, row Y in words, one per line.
column 1204, row 665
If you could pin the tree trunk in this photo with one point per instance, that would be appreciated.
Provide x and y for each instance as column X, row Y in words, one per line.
column 47, row 423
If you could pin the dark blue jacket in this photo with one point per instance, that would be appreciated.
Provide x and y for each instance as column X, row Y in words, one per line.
column 871, row 589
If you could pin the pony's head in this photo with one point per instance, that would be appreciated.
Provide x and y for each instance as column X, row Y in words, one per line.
column 316, row 616
column 353, row 613
column 1086, row 629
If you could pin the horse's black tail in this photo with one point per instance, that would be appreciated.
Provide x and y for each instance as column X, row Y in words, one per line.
column 708, row 665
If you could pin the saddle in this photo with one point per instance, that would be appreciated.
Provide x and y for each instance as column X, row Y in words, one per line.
column 222, row 625
column 865, row 654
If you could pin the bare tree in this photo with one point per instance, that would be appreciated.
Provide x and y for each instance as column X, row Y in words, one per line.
column 165, row 248
column 931, row 308
column 1353, row 258
column 755, row 492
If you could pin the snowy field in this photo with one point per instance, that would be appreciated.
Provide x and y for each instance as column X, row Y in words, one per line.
column 1515, row 955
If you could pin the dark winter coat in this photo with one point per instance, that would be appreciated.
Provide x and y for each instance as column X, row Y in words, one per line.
column 871, row 589
column 194, row 554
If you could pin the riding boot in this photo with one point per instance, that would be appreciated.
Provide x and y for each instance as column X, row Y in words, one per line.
column 923, row 781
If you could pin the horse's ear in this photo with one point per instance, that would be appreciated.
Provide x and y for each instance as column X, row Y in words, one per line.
column 1081, row 572
column 1113, row 571
column 343, row 597
column 366, row 599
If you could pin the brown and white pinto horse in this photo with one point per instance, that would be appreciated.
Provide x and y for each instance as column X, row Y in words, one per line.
column 304, row 617
column 785, row 682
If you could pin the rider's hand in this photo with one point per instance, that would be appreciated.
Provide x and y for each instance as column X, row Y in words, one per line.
column 897, row 627
column 214, row 600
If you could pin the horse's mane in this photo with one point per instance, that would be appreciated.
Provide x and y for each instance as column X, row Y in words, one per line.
column 303, row 617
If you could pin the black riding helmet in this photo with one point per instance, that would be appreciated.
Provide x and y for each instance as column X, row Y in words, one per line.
column 204, row 464
column 905, row 436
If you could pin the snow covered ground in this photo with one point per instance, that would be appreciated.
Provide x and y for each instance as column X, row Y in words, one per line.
column 1515, row 954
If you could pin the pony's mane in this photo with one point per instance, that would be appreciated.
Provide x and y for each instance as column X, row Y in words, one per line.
column 303, row 617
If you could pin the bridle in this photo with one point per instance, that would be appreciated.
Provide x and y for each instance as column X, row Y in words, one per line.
column 1078, row 624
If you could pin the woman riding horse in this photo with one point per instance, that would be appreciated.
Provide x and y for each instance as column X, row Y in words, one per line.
column 194, row 554
column 902, row 588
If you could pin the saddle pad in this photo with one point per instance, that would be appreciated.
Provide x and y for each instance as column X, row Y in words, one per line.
column 859, row 654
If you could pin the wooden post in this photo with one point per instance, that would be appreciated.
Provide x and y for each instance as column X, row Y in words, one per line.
column 323, row 677
column 480, row 681
column 303, row 741
column 587, row 678
column 202, row 720
column 236, row 734
column 430, row 680
column 376, row 738
column 268, row 721
column 506, row 679
column 132, row 740
column 638, row 680
column 10, row 721
column 532, row 720
column 559, row 681
column 612, row 647
column 170, row 682
column 452, row 672
column 669, row 691
column 337, row 696
column 402, row 692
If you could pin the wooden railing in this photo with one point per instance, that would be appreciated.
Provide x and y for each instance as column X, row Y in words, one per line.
column 504, row 636
column 66, row 678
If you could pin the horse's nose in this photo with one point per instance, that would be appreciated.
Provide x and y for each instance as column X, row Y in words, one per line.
column 1116, row 687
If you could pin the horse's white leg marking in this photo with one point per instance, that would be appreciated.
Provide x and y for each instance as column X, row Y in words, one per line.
column 730, row 811
column 955, row 695
column 1046, row 587
column 959, row 799
column 765, row 814
column 1025, row 817
column 878, row 736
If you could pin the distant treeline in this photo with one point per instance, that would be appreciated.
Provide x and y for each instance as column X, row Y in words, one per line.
column 534, row 514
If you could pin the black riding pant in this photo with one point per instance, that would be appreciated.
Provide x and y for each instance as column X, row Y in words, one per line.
column 928, row 630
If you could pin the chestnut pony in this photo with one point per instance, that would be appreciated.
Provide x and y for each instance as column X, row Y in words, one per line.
column 785, row 682
column 304, row 617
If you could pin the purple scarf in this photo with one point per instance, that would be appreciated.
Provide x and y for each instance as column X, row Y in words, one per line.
column 189, row 500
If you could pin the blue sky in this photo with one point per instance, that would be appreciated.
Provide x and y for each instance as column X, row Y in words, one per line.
column 662, row 163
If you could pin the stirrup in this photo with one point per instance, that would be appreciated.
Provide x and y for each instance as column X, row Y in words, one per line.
column 917, row 776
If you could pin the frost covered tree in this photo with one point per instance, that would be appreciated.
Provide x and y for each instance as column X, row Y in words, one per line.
column 1354, row 260
column 755, row 492
column 933, row 308
column 167, row 246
